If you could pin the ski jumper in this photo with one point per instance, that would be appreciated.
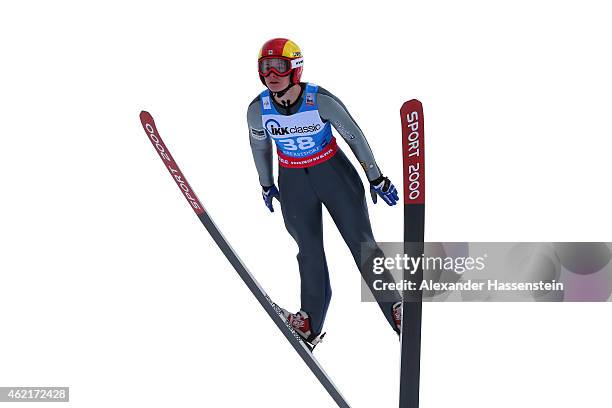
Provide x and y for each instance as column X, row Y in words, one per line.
column 314, row 172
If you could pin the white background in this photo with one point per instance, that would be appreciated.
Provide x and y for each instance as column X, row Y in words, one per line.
column 111, row 286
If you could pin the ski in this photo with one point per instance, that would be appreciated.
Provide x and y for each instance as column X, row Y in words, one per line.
column 413, row 151
column 270, row 307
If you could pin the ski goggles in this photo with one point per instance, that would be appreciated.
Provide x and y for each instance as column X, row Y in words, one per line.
column 279, row 65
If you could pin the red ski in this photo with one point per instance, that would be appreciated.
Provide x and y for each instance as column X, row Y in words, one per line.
column 270, row 307
column 413, row 151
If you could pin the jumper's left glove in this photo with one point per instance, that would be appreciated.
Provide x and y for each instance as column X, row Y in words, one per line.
column 383, row 187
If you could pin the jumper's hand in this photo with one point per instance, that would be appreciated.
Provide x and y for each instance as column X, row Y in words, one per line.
column 383, row 187
column 269, row 193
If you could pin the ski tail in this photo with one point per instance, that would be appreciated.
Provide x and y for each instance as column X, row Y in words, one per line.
column 413, row 151
column 269, row 306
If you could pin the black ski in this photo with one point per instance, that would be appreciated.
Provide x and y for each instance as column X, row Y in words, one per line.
column 413, row 151
column 270, row 307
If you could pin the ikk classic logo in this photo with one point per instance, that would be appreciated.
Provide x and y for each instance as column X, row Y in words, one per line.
column 274, row 128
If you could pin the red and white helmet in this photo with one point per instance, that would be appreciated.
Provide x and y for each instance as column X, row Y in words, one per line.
column 281, row 56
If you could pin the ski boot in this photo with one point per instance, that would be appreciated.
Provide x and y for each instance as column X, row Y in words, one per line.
column 300, row 322
column 396, row 311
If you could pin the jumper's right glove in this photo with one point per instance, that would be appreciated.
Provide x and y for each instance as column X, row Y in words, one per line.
column 383, row 187
column 268, row 193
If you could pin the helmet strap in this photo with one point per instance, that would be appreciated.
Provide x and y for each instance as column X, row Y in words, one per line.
column 280, row 94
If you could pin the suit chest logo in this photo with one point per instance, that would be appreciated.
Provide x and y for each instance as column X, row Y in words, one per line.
column 303, row 123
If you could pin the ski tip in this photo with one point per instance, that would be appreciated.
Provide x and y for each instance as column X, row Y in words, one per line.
column 146, row 119
column 411, row 104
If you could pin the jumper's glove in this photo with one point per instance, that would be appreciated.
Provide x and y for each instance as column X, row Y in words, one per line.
column 268, row 193
column 383, row 187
